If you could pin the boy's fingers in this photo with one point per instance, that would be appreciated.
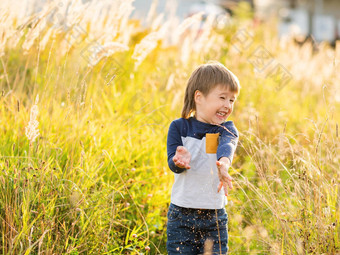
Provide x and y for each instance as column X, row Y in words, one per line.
column 220, row 185
column 226, row 185
column 181, row 164
column 178, row 163
column 225, row 189
column 230, row 185
column 229, row 181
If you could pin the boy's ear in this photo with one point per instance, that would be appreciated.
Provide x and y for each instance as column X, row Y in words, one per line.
column 198, row 96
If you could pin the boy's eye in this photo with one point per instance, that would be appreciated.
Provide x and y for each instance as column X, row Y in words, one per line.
column 222, row 98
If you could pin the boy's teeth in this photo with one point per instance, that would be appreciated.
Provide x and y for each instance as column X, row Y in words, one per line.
column 221, row 113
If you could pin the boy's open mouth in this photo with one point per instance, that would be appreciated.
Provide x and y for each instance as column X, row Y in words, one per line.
column 221, row 114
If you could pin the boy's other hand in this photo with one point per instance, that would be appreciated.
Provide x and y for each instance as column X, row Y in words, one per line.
column 182, row 157
column 223, row 175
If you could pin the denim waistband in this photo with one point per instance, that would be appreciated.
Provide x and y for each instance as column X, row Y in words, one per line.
column 185, row 210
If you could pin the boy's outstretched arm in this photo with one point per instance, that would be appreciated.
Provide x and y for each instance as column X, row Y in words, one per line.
column 225, row 153
column 225, row 179
column 178, row 156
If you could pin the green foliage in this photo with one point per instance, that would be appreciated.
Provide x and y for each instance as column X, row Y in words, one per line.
column 96, row 180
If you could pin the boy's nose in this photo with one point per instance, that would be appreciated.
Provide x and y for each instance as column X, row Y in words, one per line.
column 227, row 105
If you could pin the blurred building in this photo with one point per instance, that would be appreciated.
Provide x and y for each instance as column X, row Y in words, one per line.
column 182, row 8
column 303, row 18
column 298, row 18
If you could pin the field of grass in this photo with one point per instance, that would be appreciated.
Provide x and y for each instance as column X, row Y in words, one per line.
column 85, row 104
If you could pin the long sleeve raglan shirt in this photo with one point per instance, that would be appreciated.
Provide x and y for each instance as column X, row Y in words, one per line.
column 197, row 187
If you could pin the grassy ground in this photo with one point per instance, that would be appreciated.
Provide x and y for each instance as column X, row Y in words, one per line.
column 84, row 124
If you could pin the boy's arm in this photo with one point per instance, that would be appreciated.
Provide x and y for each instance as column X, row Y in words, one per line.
column 225, row 179
column 225, row 153
column 178, row 156
column 227, row 142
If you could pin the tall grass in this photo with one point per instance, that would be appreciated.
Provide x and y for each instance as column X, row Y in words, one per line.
column 95, row 180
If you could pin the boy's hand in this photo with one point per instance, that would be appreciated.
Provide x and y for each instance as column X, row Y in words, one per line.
column 225, row 178
column 182, row 157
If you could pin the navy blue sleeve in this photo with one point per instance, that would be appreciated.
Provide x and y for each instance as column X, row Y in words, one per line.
column 174, row 140
column 228, row 141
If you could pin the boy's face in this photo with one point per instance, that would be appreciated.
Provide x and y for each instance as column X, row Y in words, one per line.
column 216, row 106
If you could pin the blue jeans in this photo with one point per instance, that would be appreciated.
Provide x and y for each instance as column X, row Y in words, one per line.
column 188, row 229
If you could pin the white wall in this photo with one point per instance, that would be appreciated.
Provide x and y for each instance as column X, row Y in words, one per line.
column 182, row 10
